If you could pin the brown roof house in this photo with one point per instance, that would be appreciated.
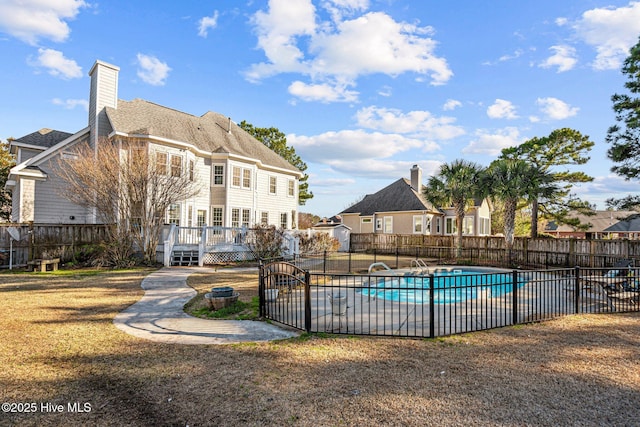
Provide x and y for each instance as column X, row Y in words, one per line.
column 244, row 182
column 401, row 208
column 602, row 225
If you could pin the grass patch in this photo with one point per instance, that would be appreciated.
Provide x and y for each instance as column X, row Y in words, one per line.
column 59, row 345
column 239, row 310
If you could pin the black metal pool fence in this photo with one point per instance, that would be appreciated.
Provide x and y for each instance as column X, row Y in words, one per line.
column 406, row 304
column 359, row 261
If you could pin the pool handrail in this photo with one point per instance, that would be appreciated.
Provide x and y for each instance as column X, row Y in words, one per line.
column 420, row 265
column 381, row 264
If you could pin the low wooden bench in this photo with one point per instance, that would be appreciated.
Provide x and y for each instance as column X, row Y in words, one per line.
column 41, row 265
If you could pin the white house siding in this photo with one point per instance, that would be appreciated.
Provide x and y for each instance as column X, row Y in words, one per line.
column 238, row 197
column 278, row 203
column 51, row 206
column 103, row 93
column 202, row 179
column 16, row 203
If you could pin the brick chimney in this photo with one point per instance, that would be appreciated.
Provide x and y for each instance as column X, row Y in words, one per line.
column 416, row 178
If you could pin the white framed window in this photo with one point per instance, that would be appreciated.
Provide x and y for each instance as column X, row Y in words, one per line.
column 365, row 220
column 417, row 224
column 190, row 216
column 264, row 218
column 273, row 185
column 216, row 216
column 162, row 163
column 485, row 226
column 202, row 217
column 235, row 217
column 236, row 177
column 378, row 223
column 218, row 174
column 388, row 224
column 176, row 165
column 291, row 189
column 246, row 218
column 427, row 226
column 241, row 177
column 246, row 178
column 69, row 156
column 173, row 214
column 192, row 167
column 467, row 225
column 284, row 220
column 450, row 226
column 438, row 225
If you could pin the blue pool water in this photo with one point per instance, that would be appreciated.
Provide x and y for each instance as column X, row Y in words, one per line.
column 448, row 287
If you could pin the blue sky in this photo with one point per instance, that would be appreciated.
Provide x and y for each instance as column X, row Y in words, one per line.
column 363, row 89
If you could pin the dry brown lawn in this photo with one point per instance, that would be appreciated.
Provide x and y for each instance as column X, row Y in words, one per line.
column 58, row 345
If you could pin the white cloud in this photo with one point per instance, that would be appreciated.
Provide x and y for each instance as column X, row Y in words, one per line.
column 31, row 20
column 338, row 52
column 349, row 145
column 341, row 8
column 451, row 104
column 382, row 168
column 385, row 91
column 70, row 104
column 57, row 65
column 207, row 22
column 555, row 109
column 611, row 31
column 564, row 58
column 610, row 185
column 415, row 123
column 329, row 182
column 502, row 109
column 492, row 143
column 322, row 92
column 151, row 70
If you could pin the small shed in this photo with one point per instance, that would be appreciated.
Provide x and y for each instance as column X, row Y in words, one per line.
column 336, row 230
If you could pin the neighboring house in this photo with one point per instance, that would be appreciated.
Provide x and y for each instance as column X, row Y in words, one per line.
column 243, row 182
column 337, row 230
column 602, row 225
column 401, row 208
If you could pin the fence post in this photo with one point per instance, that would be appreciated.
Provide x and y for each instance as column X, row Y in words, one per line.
column 307, row 301
column 397, row 256
column 261, row 301
column 576, row 290
column 515, row 297
column 324, row 263
column 432, row 305
column 349, row 260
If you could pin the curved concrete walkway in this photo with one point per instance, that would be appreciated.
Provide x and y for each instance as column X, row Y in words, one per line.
column 159, row 315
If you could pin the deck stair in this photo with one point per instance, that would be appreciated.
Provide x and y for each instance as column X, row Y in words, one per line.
column 184, row 258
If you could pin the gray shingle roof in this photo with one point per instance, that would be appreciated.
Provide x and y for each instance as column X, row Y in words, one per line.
column 602, row 221
column 208, row 132
column 44, row 138
column 397, row 197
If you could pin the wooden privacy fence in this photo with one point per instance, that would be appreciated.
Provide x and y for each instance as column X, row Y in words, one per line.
column 46, row 241
column 526, row 251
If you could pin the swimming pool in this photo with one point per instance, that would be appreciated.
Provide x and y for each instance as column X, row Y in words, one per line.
column 449, row 286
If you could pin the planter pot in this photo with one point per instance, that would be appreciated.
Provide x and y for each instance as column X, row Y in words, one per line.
column 223, row 291
column 216, row 303
column 271, row 295
column 338, row 304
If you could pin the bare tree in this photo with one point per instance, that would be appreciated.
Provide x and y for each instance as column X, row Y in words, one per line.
column 130, row 187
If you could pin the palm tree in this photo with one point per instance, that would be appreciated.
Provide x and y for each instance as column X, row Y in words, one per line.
column 457, row 185
column 514, row 180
